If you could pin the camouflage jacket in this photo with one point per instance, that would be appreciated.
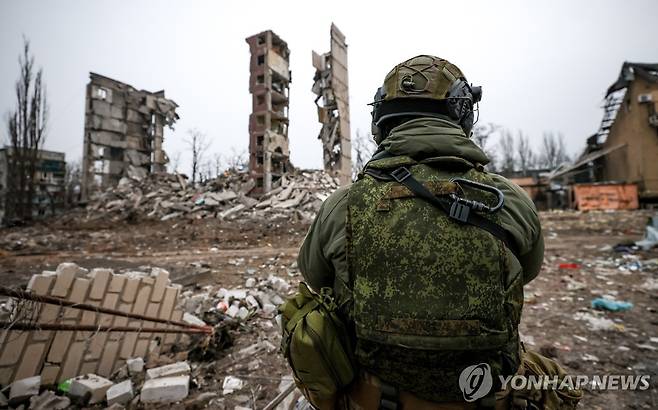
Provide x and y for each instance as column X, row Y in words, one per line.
column 322, row 258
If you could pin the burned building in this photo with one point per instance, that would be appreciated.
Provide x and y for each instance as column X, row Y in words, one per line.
column 331, row 87
column 623, row 152
column 269, row 85
column 124, row 132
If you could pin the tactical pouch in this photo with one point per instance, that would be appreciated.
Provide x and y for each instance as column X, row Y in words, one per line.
column 316, row 344
column 535, row 365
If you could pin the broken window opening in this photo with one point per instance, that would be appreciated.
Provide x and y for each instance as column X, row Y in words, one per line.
column 101, row 93
column 261, row 59
column 261, row 40
column 260, row 120
column 259, row 182
column 260, row 79
column 260, row 99
column 259, row 140
column 116, row 154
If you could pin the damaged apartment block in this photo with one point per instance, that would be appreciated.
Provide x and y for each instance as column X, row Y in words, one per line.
column 123, row 132
column 269, row 84
column 331, row 86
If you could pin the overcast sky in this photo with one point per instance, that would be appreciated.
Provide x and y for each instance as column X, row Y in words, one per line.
column 543, row 66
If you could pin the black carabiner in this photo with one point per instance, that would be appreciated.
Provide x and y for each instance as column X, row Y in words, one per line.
column 476, row 205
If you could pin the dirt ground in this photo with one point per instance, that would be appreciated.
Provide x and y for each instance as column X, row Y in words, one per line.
column 581, row 264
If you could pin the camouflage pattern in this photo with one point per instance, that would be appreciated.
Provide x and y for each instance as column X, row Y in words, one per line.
column 427, row 145
column 424, row 284
column 422, row 76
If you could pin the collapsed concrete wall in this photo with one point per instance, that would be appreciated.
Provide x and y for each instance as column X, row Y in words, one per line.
column 124, row 132
column 331, row 87
column 269, row 84
column 60, row 355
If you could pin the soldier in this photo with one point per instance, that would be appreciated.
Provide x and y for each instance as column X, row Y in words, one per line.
column 426, row 253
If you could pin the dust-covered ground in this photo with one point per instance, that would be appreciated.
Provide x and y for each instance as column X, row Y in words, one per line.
column 581, row 263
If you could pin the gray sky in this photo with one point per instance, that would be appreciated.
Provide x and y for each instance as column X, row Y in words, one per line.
column 543, row 65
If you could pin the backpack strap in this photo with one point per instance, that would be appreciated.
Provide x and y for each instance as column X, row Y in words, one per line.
column 457, row 209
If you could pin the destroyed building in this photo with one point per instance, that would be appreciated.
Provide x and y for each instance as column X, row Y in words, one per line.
column 618, row 168
column 331, row 87
column 124, row 132
column 269, row 85
column 49, row 193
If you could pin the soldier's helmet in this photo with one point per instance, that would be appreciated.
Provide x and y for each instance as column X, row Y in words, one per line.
column 426, row 86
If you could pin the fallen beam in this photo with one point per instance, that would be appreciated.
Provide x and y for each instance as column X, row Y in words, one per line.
column 23, row 295
column 10, row 326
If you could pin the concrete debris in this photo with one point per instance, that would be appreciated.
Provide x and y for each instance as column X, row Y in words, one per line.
column 597, row 323
column 231, row 384
column 48, row 400
column 170, row 370
column 259, row 298
column 193, row 320
column 162, row 197
column 57, row 356
column 90, row 385
column 120, row 393
column 165, row 390
column 24, row 388
column 135, row 365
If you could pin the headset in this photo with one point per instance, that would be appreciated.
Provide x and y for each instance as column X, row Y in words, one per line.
column 458, row 106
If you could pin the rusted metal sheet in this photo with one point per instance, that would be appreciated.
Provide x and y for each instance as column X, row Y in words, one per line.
column 605, row 196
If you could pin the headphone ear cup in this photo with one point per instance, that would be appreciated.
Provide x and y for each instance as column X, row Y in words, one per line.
column 376, row 132
column 466, row 122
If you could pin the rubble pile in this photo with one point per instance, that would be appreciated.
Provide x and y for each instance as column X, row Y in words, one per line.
column 186, row 374
column 171, row 196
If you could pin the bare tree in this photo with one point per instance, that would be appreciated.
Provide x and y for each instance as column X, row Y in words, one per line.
column 175, row 163
column 237, row 160
column 524, row 153
column 26, row 126
column 198, row 144
column 553, row 151
column 363, row 146
column 218, row 163
column 507, row 158
column 72, row 183
column 482, row 135
column 205, row 171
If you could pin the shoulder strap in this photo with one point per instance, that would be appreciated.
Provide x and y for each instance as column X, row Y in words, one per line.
column 460, row 211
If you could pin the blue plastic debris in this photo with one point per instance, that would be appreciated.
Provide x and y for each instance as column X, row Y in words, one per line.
column 611, row 305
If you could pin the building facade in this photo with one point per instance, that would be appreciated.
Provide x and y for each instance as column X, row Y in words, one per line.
column 124, row 133
column 50, row 190
column 624, row 151
column 331, row 85
column 269, row 85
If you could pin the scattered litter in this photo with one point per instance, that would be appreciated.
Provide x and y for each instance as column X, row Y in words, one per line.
column 597, row 323
column 590, row 358
column 569, row 266
column 231, row 384
column 651, row 234
column 611, row 305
